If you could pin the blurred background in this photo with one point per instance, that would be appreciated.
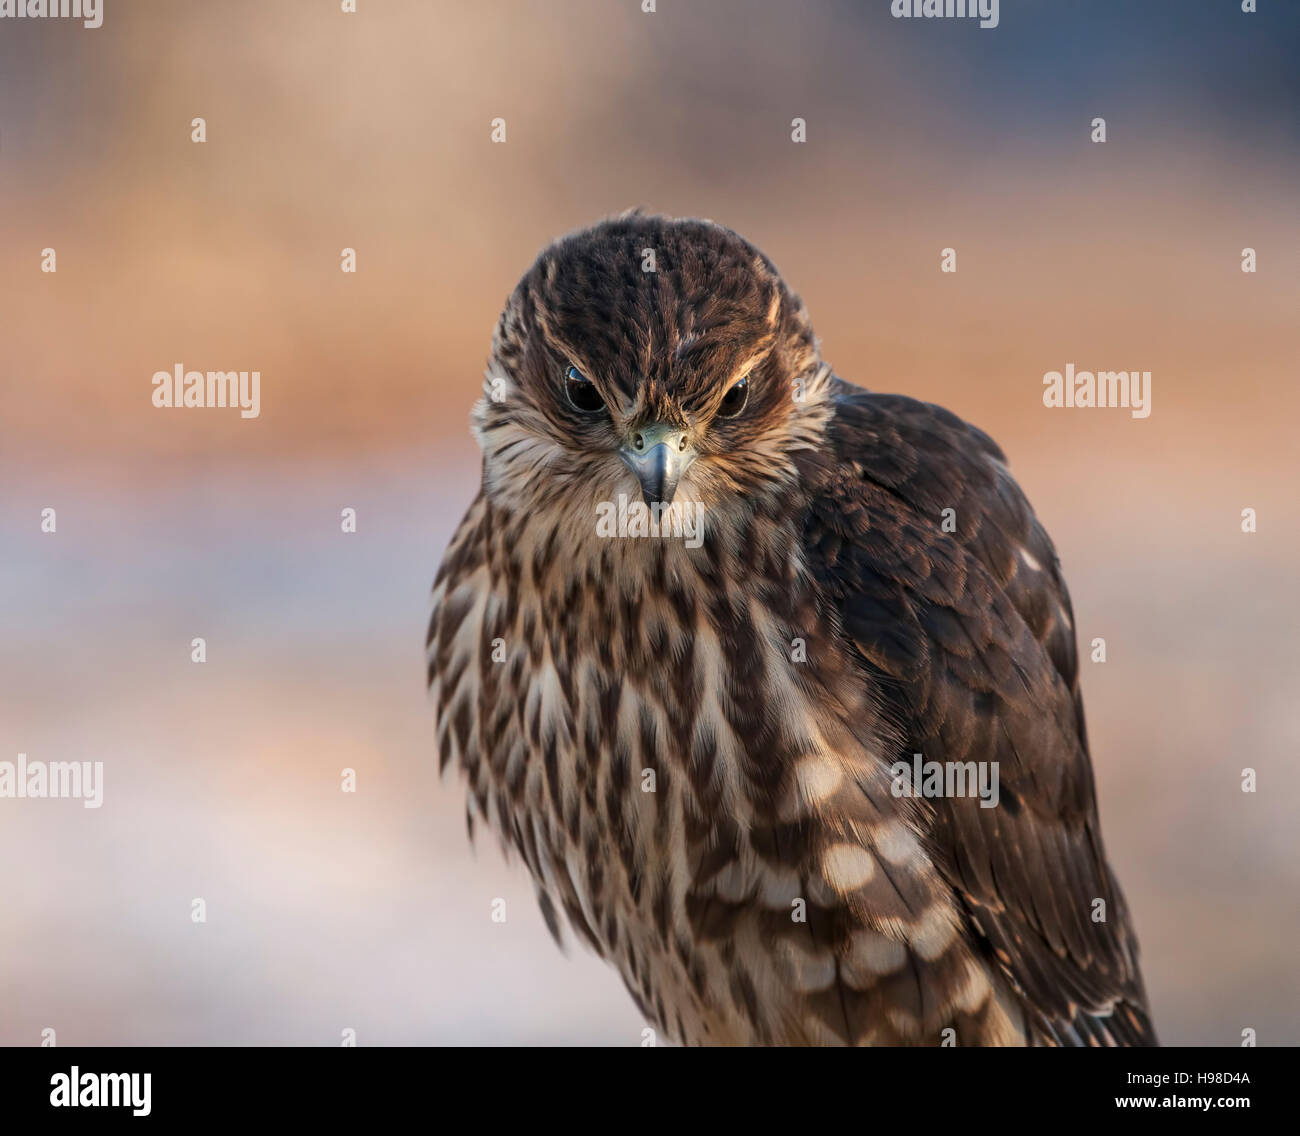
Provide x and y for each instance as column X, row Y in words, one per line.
column 325, row 130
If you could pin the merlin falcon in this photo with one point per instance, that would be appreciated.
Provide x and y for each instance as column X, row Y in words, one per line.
column 694, row 746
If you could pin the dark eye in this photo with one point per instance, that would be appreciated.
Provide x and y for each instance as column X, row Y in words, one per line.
column 733, row 402
column 582, row 392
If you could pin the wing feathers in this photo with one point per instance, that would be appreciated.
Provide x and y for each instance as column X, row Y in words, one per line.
column 966, row 631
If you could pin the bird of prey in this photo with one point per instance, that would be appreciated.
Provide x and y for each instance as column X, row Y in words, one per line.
column 697, row 747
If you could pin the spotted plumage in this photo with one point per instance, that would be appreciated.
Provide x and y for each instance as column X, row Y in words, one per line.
column 694, row 750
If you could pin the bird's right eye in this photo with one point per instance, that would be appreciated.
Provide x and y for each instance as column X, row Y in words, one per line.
column 582, row 392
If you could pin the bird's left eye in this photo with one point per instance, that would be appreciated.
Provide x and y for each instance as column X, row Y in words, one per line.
column 582, row 392
column 733, row 402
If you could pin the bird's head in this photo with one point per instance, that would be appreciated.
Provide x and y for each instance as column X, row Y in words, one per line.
column 651, row 356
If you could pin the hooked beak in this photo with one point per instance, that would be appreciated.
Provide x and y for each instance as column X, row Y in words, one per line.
column 658, row 454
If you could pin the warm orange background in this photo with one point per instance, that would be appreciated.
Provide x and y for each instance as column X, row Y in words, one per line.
column 371, row 131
